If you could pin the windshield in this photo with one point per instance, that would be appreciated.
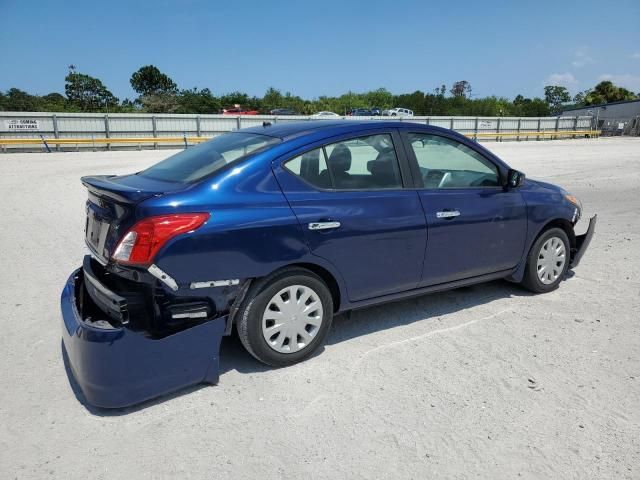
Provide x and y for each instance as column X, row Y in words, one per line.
column 197, row 162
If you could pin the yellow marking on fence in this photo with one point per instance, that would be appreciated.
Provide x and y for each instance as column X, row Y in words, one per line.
column 101, row 141
column 181, row 140
column 552, row 133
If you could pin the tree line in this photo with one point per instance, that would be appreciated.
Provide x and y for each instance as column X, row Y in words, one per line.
column 158, row 93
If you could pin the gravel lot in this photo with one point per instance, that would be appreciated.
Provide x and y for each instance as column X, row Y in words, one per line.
column 482, row 382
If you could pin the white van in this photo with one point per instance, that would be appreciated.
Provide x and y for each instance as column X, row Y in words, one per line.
column 400, row 112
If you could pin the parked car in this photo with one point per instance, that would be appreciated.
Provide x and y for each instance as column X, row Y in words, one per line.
column 360, row 112
column 325, row 114
column 239, row 111
column 273, row 230
column 399, row 112
column 283, row 111
column 376, row 111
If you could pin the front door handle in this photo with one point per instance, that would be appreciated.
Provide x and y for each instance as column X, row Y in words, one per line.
column 323, row 225
column 448, row 214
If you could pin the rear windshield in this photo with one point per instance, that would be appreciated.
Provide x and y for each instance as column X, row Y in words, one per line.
column 197, row 162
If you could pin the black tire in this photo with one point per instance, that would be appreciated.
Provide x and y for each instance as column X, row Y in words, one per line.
column 531, row 281
column 249, row 318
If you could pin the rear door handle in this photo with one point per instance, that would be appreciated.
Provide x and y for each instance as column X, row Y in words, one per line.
column 323, row 225
column 448, row 214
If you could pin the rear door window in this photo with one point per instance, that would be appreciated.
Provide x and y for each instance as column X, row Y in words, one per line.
column 311, row 167
column 363, row 163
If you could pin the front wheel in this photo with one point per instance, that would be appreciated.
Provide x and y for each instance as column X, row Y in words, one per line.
column 547, row 262
column 285, row 317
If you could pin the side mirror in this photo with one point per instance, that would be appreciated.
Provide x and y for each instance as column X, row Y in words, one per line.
column 514, row 178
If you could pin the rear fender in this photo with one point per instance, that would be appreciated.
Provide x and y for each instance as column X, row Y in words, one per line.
column 320, row 267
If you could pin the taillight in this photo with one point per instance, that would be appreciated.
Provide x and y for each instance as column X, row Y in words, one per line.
column 141, row 243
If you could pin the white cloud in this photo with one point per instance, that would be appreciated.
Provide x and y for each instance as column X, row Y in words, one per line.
column 581, row 57
column 626, row 80
column 635, row 56
column 563, row 79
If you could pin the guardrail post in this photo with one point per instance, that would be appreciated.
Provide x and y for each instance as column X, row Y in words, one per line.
column 46, row 145
column 519, row 123
column 475, row 130
column 428, row 120
column 451, row 123
column 539, row 125
column 498, row 130
column 155, row 131
column 107, row 133
column 557, row 126
column 575, row 125
column 56, row 133
column 198, row 132
column 238, row 124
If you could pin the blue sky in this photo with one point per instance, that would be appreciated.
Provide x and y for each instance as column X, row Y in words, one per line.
column 325, row 47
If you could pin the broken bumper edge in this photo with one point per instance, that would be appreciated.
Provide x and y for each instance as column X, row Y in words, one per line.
column 582, row 242
column 118, row 367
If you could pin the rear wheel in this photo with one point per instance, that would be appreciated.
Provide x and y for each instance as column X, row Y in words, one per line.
column 548, row 261
column 285, row 317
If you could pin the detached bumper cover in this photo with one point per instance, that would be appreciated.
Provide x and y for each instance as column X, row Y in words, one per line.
column 582, row 242
column 118, row 367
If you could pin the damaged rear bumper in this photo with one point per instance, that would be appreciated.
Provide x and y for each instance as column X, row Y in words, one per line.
column 116, row 366
column 582, row 242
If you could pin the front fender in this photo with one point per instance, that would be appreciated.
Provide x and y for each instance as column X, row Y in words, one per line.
column 546, row 207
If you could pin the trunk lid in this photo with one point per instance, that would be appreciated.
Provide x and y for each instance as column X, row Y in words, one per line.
column 111, row 208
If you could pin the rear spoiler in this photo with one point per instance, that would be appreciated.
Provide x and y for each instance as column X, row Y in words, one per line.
column 115, row 188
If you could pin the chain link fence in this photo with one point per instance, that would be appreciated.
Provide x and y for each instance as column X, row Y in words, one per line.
column 612, row 127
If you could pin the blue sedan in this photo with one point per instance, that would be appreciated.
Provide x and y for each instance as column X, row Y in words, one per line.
column 275, row 229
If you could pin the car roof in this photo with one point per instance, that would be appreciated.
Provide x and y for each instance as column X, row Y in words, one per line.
column 289, row 130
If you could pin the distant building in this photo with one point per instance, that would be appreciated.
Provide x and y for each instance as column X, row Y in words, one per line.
column 616, row 118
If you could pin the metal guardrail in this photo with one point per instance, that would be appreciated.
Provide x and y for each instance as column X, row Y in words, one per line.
column 74, row 131
column 552, row 134
column 186, row 141
column 100, row 141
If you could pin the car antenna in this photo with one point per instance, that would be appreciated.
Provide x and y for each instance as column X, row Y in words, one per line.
column 266, row 124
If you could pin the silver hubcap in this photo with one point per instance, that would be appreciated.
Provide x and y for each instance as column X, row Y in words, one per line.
column 551, row 260
column 292, row 319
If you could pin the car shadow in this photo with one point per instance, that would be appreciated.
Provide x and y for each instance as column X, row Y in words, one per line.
column 426, row 308
column 423, row 308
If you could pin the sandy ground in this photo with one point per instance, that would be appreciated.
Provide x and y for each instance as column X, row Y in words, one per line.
column 482, row 382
